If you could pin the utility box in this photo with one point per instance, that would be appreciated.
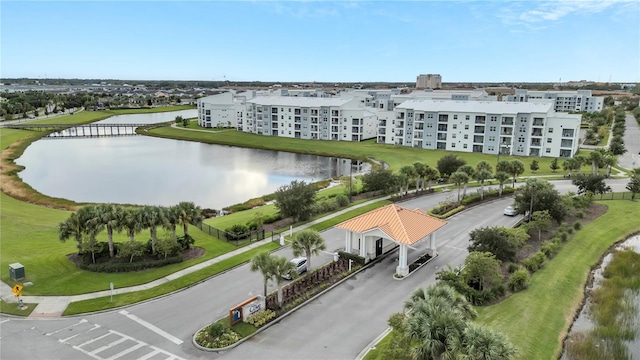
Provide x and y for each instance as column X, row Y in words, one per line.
column 16, row 271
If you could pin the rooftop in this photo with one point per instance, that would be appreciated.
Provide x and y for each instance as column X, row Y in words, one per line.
column 403, row 225
column 489, row 107
column 298, row 101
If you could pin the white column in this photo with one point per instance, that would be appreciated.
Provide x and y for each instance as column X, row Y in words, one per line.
column 402, row 269
column 432, row 245
column 363, row 246
column 347, row 242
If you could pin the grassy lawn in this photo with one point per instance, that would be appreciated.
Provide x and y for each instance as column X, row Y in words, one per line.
column 395, row 156
column 348, row 215
column 30, row 237
column 189, row 279
column 537, row 319
column 243, row 217
column 12, row 308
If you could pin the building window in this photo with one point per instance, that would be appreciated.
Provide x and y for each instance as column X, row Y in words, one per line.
column 464, row 146
column 455, row 126
column 429, row 116
column 466, row 136
column 453, row 145
column 494, row 118
column 466, row 127
column 550, row 130
column 466, row 117
column 453, row 136
column 548, row 140
column 429, row 125
column 547, row 150
column 492, row 138
column 455, row 117
column 492, row 128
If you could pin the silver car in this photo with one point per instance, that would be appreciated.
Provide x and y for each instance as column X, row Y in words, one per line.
column 510, row 211
column 301, row 265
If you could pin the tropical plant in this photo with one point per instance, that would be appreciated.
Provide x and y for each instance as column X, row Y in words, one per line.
column 295, row 200
column 420, row 170
column 459, row 178
column 263, row 262
column 282, row 268
column 131, row 222
column 482, row 175
column 410, row 173
column 308, row 242
column 189, row 213
column 449, row 164
column 502, row 177
column 470, row 171
column 516, row 169
column 152, row 217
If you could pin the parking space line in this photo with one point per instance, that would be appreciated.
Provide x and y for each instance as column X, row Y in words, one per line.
column 152, row 327
column 111, row 344
column 126, row 351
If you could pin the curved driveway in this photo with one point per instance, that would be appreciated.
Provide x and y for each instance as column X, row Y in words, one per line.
column 337, row 325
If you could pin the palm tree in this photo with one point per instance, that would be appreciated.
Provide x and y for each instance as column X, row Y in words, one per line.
column 131, row 221
column 481, row 176
column 445, row 292
column 282, row 268
column 401, row 181
column 517, row 168
column 459, row 178
column 434, row 326
column 421, row 171
column 152, row 217
column 482, row 343
column 109, row 216
column 431, row 174
column 469, row 170
column 172, row 214
column 263, row 262
column 502, row 177
column 580, row 160
column 72, row 227
column 189, row 214
column 570, row 165
column 608, row 160
column 483, row 165
column 410, row 173
column 307, row 242
column 595, row 157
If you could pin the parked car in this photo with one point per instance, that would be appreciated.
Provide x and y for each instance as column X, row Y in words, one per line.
column 510, row 211
column 301, row 265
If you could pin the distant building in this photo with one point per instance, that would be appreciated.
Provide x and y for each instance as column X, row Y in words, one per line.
column 524, row 129
column 578, row 100
column 429, row 81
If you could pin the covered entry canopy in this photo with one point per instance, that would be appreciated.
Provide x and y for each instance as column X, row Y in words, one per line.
column 402, row 226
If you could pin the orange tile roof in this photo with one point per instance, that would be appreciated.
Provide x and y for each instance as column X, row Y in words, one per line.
column 404, row 226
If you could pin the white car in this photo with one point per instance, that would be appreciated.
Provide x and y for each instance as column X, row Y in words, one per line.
column 510, row 211
column 301, row 266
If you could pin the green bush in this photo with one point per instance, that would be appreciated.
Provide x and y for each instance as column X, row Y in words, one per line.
column 470, row 199
column 216, row 329
column 447, row 214
column 519, row 280
column 115, row 267
column 577, row 225
column 358, row 259
column 570, row 231
column 564, row 236
column 535, row 261
column 261, row 317
column 237, row 231
column 512, row 267
column 580, row 214
column 550, row 248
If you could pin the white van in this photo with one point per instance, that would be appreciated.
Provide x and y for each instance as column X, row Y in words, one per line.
column 301, row 265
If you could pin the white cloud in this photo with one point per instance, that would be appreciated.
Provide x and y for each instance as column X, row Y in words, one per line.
column 539, row 15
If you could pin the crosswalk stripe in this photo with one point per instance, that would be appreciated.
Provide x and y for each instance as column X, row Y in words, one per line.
column 126, row 351
column 111, row 344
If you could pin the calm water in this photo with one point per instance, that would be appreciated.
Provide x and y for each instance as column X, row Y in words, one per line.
column 155, row 171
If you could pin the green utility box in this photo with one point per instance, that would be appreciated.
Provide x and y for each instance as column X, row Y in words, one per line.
column 16, row 271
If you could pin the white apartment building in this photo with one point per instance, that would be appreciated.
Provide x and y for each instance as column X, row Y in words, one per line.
column 224, row 110
column 339, row 119
column 513, row 128
column 429, row 81
column 578, row 100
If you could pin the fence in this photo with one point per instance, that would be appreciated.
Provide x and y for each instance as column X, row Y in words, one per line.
column 625, row 195
column 251, row 236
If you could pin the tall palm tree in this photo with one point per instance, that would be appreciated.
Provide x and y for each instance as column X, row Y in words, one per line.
column 282, row 268
column 263, row 262
column 307, row 242
column 172, row 214
column 152, row 217
column 445, row 292
column 595, row 157
column 110, row 217
column 431, row 174
column 517, row 168
column 580, row 160
column 189, row 214
column 401, row 180
column 132, row 222
column 459, row 178
column 481, row 176
column 421, row 171
column 469, row 170
column 502, row 177
column 608, row 160
column 483, row 165
column 410, row 173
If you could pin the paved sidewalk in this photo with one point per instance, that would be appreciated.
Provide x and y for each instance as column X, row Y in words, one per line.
column 54, row 306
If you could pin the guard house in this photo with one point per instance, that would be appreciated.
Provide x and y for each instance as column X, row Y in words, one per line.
column 381, row 230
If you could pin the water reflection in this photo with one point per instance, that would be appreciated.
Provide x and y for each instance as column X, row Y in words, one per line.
column 156, row 171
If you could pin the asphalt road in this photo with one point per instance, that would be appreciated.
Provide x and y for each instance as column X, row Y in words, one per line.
column 631, row 159
column 338, row 325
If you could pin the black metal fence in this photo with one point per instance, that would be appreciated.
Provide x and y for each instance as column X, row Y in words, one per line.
column 243, row 239
column 625, row 195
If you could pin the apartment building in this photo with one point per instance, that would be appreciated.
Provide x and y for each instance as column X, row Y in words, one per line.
column 338, row 119
column 222, row 110
column 578, row 100
column 513, row 128
column 429, row 81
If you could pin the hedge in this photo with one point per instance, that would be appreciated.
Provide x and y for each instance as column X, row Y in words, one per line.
column 114, row 267
column 358, row 259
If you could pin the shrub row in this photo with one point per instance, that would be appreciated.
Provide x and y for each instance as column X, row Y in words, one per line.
column 261, row 317
column 447, row 214
column 114, row 267
column 358, row 259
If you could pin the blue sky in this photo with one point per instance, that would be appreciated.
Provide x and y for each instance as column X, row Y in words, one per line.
column 328, row 41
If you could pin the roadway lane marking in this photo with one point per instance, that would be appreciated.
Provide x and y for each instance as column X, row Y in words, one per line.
column 4, row 321
column 126, row 351
column 66, row 327
column 152, row 327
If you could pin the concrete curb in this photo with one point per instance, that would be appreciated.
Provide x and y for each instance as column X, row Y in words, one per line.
column 277, row 320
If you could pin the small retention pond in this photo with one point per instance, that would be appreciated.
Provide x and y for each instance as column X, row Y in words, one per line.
column 585, row 322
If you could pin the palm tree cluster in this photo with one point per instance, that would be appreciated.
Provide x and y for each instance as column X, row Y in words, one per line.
column 85, row 224
column 421, row 173
column 483, row 172
column 437, row 325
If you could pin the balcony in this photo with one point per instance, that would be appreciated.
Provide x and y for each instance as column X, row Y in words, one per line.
column 536, row 132
column 508, row 122
column 480, row 120
column 400, row 116
column 382, row 123
column 506, row 132
column 478, row 130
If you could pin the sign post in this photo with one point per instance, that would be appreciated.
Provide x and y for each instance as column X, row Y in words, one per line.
column 111, row 287
column 17, row 292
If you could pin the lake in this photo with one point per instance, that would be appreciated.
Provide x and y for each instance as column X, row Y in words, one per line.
column 154, row 171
